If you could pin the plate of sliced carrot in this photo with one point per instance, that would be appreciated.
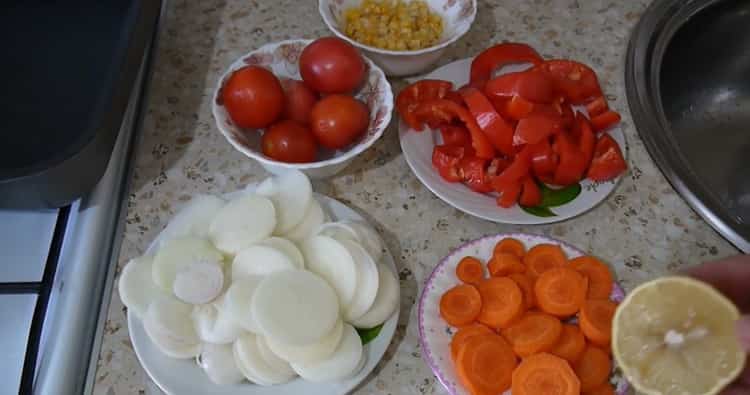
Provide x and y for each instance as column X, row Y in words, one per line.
column 520, row 313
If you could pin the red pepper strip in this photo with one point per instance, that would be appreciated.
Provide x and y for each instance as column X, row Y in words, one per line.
column 445, row 159
column 514, row 173
column 497, row 166
column 576, row 81
column 597, row 106
column 518, row 108
column 498, row 132
column 501, row 55
column 408, row 99
column 455, row 97
column 572, row 164
column 543, row 158
column 533, row 86
column 568, row 117
column 531, row 195
column 584, row 137
column 535, row 128
column 442, row 110
column 605, row 120
column 455, row 135
column 608, row 162
column 478, row 84
column 474, row 174
column 509, row 194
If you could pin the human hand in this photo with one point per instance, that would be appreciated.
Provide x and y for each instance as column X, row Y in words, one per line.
column 731, row 276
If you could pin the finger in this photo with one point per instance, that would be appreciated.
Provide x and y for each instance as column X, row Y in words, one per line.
column 743, row 333
column 736, row 389
column 730, row 276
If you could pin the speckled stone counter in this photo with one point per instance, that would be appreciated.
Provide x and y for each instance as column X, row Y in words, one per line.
column 644, row 228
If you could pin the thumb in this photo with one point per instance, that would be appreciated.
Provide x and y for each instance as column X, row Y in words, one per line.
column 743, row 331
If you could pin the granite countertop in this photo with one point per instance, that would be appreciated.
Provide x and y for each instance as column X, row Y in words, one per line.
column 644, row 229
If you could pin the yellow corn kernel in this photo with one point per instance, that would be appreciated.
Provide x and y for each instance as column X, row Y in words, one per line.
column 393, row 24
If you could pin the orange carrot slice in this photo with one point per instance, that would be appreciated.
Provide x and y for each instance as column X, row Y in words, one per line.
column 470, row 270
column 599, row 275
column 503, row 264
column 510, row 245
column 526, row 284
column 545, row 374
column 485, row 364
column 560, row 291
column 595, row 320
column 571, row 344
column 593, row 368
column 543, row 257
column 502, row 302
column 533, row 333
column 604, row 389
column 460, row 305
column 466, row 333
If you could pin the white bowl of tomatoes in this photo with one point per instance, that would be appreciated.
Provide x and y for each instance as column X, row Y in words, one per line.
column 301, row 104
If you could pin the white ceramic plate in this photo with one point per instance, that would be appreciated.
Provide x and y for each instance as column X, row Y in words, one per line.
column 417, row 148
column 185, row 377
column 435, row 334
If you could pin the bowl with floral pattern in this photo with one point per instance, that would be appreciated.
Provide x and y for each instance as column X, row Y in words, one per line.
column 282, row 58
column 457, row 17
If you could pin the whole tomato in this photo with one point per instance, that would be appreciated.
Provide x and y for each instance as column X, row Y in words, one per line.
column 337, row 120
column 253, row 97
column 299, row 101
column 331, row 65
column 289, row 141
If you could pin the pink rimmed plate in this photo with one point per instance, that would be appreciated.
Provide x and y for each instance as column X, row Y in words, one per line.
column 435, row 334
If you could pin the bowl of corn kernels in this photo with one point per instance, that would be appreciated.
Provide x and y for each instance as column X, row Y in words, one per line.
column 403, row 37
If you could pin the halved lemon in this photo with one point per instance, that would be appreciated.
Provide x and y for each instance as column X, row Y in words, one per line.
column 676, row 335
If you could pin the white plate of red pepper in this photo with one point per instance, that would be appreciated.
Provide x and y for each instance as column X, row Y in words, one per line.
column 513, row 138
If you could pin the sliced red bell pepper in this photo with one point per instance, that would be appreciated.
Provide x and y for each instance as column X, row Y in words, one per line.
column 515, row 172
column 533, row 86
column 474, row 172
column 567, row 114
column 455, row 135
column 605, row 120
column 584, row 137
column 535, row 128
column 608, row 162
column 408, row 99
column 501, row 55
column 509, row 194
column 455, row 97
column 531, row 195
column 497, row 166
column 543, row 158
column 478, row 84
column 446, row 159
column 576, row 81
column 498, row 132
column 572, row 164
column 445, row 111
column 518, row 108
column 597, row 106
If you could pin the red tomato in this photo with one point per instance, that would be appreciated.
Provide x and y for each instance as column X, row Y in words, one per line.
column 299, row 100
column 331, row 65
column 253, row 97
column 443, row 110
column 337, row 120
column 289, row 141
